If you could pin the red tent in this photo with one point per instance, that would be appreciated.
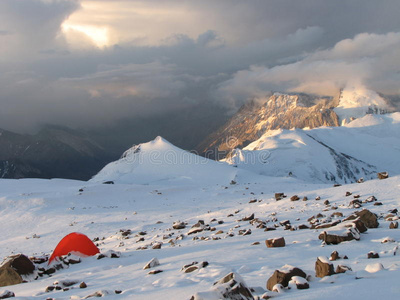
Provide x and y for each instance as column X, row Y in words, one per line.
column 75, row 243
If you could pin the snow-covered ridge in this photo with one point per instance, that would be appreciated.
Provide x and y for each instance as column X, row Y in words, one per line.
column 327, row 154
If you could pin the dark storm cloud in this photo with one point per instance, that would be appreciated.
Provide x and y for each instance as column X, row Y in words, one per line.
column 222, row 51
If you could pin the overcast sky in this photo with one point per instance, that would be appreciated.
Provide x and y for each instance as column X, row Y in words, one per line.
column 85, row 63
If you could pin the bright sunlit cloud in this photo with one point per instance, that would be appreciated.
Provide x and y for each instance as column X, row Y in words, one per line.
column 98, row 35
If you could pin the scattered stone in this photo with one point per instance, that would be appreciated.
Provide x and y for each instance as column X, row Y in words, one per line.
column 253, row 201
column 383, row 175
column 294, row 198
column 326, row 202
column 279, row 196
column 303, row 226
column 245, row 232
column 334, row 256
column 351, row 234
column 394, row 225
column 283, row 276
column 284, row 223
column 327, row 225
column 234, row 287
column 355, row 203
column 371, row 199
column 337, row 214
column 7, row 294
column 393, row 211
column 356, row 196
column 83, row 285
column 198, row 227
column 269, row 228
column 318, row 198
column 178, row 225
column 361, row 180
column 305, row 198
column 231, row 287
column 108, row 182
column 255, row 243
column 98, row 294
column 348, row 194
column 378, row 203
column 337, row 185
column 65, row 283
column 323, row 267
column 157, row 246
column 300, row 282
column 109, row 254
column 49, row 288
column 194, row 266
column 152, row 263
column 275, row 243
column 155, row 272
column 248, row 218
column 387, row 240
column 372, row 254
column 342, row 269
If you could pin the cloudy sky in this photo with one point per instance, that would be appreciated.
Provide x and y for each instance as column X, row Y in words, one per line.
column 91, row 62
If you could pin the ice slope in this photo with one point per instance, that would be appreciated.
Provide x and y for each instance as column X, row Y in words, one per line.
column 52, row 208
column 160, row 162
column 328, row 154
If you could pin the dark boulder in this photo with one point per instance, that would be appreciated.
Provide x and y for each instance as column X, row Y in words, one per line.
column 342, row 269
column 383, row 175
column 334, row 239
column 323, row 267
column 283, row 277
column 279, row 196
column 372, row 254
column 7, row 294
column 394, row 225
column 274, row 243
column 231, row 287
column 13, row 268
column 368, row 218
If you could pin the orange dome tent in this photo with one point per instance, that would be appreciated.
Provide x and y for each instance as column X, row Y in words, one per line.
column 75, row 243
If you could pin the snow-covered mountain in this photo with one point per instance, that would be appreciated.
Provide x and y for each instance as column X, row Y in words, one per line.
column 327, row 154
column 279, row 111
column 160, row 162
column 356, row 102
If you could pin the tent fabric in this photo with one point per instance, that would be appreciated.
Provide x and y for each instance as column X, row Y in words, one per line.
column 76, row 243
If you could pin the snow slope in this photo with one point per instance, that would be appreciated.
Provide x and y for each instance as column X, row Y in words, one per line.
column 51, row 209
column 328, row 154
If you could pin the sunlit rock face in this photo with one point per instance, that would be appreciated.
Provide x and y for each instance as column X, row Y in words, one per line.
column 279, row 111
